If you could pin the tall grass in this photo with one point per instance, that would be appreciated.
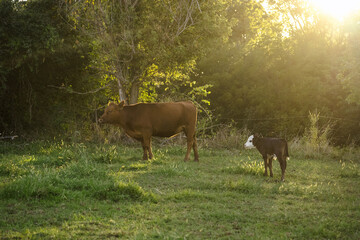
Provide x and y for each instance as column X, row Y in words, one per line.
column 316, row 140
column 226, row 136
column 315, row 143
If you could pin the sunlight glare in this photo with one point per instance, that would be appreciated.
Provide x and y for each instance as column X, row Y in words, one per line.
column 335, row 8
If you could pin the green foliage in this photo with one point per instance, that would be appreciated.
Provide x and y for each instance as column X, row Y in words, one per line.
column 350, row 75
column 38, row 52
column 139, row 46
column 282, row 64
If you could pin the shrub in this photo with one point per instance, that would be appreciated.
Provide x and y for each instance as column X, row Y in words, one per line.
column 316, row 141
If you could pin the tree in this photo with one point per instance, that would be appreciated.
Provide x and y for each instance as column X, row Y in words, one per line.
column 141, row 43
column 37, row 49
column 350, row 74
column 280, row 63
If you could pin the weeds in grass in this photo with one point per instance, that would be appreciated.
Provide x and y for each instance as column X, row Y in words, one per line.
column 136, row 167
column 173, row 170
column 106, row 155
column 349, row 170
column 243, row 186
column 246, row 167
column 12, row 170
column 188, row 195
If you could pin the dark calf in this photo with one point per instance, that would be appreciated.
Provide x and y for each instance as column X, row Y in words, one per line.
column 270, row 148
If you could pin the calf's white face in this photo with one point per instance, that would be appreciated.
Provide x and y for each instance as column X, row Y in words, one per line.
column 249, row 144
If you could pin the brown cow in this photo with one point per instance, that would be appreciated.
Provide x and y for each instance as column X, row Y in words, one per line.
column 143, row 120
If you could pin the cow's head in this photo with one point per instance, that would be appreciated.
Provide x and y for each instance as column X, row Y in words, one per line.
column 251, row 142
column 112, row 112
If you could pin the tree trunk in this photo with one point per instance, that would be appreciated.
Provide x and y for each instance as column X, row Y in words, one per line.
column 122, row 95
column 134, row 94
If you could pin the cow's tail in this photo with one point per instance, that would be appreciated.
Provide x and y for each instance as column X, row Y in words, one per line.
column 286, row 151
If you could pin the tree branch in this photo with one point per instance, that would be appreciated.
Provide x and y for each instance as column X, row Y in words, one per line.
column 80, row 93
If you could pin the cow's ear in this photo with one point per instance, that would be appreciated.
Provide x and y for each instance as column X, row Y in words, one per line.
column 121, row 105
column 256, row 135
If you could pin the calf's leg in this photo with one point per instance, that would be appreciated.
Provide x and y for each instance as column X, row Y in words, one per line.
column 283, row 167
column 265, row 163
column 270, row 166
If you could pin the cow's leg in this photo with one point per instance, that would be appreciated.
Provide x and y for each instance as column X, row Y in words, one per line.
column 145, row 155
column 190, row 136
column 265, row 163
column 146, row 147
column 140, row 139
column 196, row 154
column 190, row 143
column 150, row 150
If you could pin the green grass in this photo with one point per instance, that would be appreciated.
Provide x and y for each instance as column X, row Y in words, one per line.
column 85, row 191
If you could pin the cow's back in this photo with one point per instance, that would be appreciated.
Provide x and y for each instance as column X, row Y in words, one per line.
column 161, row 119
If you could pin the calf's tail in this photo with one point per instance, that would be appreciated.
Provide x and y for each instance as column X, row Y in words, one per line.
column 286, row 151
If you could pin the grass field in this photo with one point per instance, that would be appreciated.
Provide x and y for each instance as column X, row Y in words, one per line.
column 85, row 191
